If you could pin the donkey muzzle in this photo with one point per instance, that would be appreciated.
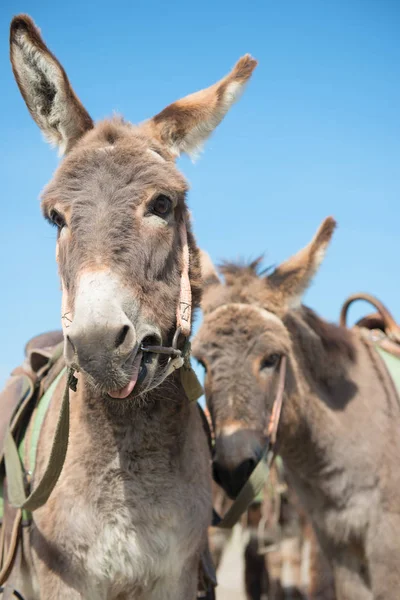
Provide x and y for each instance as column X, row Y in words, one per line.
column 106, row 330
column 236, row 455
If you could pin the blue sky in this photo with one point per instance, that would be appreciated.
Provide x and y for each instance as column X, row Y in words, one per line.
column 317, row 132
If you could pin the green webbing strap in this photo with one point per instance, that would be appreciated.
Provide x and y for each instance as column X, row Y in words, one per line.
column 190, row 383
column 38, row 419
column 393, row 366
column 249, row 492
column 14, row 467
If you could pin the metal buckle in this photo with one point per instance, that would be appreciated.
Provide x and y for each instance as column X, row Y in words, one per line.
column 171, row 351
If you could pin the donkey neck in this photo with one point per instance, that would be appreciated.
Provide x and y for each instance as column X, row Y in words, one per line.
column 319, row 385
column 144, row 426
column 330, row 445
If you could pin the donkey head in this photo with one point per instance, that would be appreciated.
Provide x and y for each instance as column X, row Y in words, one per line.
column 118, row 202
column 240, row 343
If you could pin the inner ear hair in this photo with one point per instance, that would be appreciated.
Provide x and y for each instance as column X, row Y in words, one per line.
column 45, row 87
column 183, row 126
column 294, row 276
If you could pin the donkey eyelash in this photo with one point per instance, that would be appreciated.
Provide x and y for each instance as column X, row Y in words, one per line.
column 49, row 220
column 55, row 219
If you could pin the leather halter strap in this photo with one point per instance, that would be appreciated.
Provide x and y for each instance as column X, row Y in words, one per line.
column 181, row 358
column 184, row 310
column 275, row 417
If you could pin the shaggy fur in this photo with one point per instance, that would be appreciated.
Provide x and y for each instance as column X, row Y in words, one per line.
column 338, row 433
column 128, row 517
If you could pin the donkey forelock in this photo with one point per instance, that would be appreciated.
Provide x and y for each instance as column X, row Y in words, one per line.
column 118, row 201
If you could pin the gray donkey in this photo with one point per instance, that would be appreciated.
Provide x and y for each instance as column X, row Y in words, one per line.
column 129, row 514
column 339, row 433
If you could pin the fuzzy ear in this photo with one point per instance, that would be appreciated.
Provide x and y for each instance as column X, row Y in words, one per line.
column 209, row 275
column 211, row 283
column 184, row 125
column 45, row 87
column 294, row 275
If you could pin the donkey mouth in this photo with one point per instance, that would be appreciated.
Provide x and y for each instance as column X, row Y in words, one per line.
column 139, row 372
column 136, row 374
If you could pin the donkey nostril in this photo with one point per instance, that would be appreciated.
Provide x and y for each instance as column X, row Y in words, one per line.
column 151, row 340
column 216, row 475
column 247, row 467
column 119, row 340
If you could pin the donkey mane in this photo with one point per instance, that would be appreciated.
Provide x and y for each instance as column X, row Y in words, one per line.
column 243, row 268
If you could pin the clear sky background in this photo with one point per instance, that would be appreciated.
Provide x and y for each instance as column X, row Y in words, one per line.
column 316, row 133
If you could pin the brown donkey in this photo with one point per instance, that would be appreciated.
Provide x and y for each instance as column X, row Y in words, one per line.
column 128, row 517
column 339, row 430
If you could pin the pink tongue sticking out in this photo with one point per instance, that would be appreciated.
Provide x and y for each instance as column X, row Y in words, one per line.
column 125, row 391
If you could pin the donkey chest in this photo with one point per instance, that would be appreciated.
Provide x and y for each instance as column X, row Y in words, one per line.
column 134, row 552
column 133, row 533
column 124, row 516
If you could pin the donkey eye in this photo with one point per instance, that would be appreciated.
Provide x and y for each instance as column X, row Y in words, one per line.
column 270, row 361
column 161, row 206
column 57, row 219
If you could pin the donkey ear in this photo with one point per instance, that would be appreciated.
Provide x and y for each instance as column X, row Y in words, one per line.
column 45, row 87
column 184, row 125
column 294, row 276
column 209, row 275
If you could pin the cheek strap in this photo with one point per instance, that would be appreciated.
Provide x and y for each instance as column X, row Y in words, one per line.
column 184, row 310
